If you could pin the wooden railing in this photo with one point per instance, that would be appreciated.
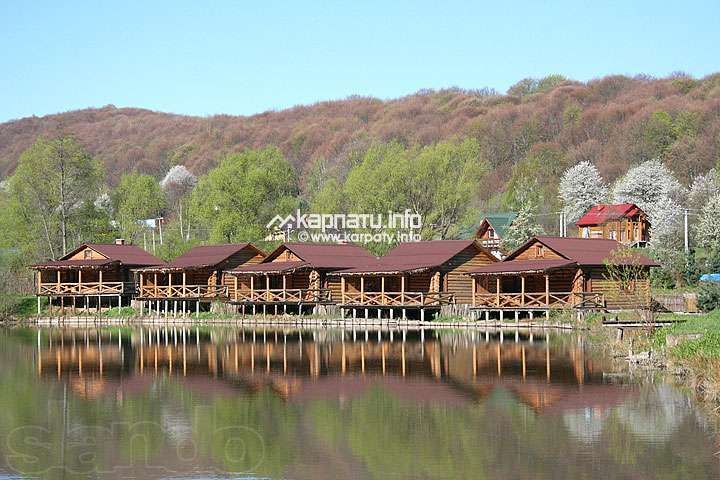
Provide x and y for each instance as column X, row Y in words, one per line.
column 297, row 295
column 86, row 288
column 187, row 291
column 539, row 300
column 390, row 299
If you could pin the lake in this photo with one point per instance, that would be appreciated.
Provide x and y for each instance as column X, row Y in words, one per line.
column 330, row 404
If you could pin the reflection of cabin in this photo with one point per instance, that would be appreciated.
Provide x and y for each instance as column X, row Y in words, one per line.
column 415, row 276
column 554, row 272
column 197, row 275
column 295, row 276
column 492, row 230
column 624, row 222
column 92, row 275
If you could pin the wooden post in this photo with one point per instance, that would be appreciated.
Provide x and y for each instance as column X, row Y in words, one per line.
column 362, row 290
column 522, row 290
column 267, row 290
column 474, row 288
column 547, row 290
column 169, row 290
column 382, row 291
column 252, row 289
column 235, row 281
column 100, row 282
column 342, row 291
column 58, row 282
column 184, row 292
column 142, row 283
column 155, row 287
column 497, row 291
column 284, row 295
column 402, row 292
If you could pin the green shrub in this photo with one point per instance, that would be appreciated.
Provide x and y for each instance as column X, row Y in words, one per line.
column 709, row 296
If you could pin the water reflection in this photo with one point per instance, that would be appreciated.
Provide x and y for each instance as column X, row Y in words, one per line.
column 335, row 404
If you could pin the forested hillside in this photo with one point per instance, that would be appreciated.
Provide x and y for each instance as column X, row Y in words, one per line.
column 614, row 122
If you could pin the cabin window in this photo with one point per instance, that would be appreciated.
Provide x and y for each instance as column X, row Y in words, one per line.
column 491, row 233
column 87, row 254
column 539, row 251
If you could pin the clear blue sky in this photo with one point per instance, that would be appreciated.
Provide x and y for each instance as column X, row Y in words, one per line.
column 202, row 58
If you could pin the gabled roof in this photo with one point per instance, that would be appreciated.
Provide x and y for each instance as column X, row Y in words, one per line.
column 415, row 257
column 324, row 256
column 205, row 256
column 128, row 255
column 573, row 252
column 602, row 212
column 498, row 221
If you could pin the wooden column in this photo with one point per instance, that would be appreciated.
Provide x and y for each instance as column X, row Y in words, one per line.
column 169, row 293
column 58, row 281
column 402, row 289
column 142, row 283
column 497, row 290
column 474, row 288
column 252, row 288
column 235, row 281
column 39, row 280
column 184, row 293
column 522, row 290
column 267, row 288
column 342, row 289
column 547, row 290
column 284, row 295
column 362, row 289
column 382, row 290
column 100, row 278
column 155, row 286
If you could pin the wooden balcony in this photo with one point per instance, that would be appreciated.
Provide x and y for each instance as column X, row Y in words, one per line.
column 85, row 288
column 540, row 301
column 397, row 299
column 184, row 292
column 284, row 296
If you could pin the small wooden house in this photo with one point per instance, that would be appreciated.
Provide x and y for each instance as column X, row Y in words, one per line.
column 295, row 277
column 413, row 276
column 491, row 231
column 92, row 276
column 556, row 272
column 624, row 222
column 196, row 276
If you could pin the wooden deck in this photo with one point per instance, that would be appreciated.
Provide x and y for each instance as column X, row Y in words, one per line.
column 396, row 299
column 85, row 288
column 297, row 296
column 538, row 301
column 148, row 292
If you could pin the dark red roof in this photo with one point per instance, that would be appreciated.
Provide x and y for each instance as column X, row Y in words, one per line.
column 517, row 266
column 580, row 251
column 70, row 264
column 601, row 213
column 326, row 255
column 203, row 256
column 270, row 267
column 128, row 255
column 415, row 256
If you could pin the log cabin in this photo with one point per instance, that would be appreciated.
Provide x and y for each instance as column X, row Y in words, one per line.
column 557, row 272
column 624, row 222
column 195, row 279
column 93, row 276
column 295, row 277
column 413, row 278
column 491, row 231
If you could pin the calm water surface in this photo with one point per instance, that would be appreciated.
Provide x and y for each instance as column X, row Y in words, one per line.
column 233, row 403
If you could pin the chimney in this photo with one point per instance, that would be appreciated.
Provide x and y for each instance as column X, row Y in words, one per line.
column 119, row 241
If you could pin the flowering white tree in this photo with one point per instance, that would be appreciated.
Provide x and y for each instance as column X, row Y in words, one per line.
column 522, row 228
column 708, row 228
column 703, row 188
column 177, row 184
column 653, row 187
column 581, row 187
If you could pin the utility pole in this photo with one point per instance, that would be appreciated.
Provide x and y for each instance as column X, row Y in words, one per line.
column 687, row 240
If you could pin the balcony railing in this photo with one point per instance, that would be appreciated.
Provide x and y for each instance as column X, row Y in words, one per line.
column 539, row 300
column 298, row 295
column 187, row 291
column 399, row 299
column 86, row 288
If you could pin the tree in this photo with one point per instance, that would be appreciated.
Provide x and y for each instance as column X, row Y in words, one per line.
column 523, row 228
column 652, row 187
column 703, row 188
column 236, row 200
column 138, row 197
column 53, row 180
column 708, row 227
column 442, row 184
column 177, row 185
column 581, row 187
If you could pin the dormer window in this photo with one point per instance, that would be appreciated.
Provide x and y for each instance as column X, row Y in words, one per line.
column 491, row 233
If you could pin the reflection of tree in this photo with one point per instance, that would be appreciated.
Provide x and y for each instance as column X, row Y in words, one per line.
column 658, row 416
